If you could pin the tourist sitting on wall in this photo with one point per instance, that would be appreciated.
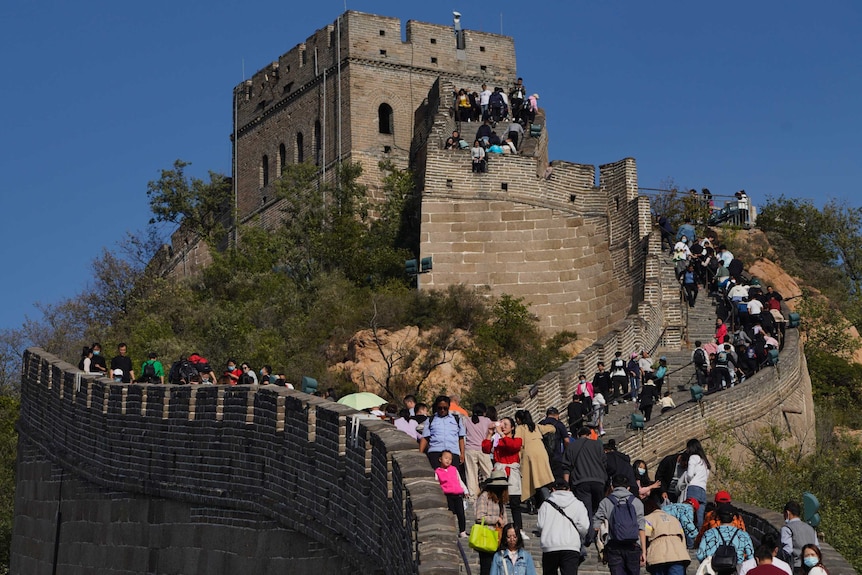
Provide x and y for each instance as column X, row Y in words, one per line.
column 477, row 152
column 453, row 142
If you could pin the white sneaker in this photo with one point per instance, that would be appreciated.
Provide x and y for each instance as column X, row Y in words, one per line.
column 524, row 536
column 463, row 534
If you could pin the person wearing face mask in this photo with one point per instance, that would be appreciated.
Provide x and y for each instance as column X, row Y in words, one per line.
column 795, row 535
column 118, row 375
column 98, row 364
column 645, row 486
column 812, row 561
column 233, row 371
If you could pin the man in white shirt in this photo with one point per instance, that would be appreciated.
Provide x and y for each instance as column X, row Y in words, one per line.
column 483, row 100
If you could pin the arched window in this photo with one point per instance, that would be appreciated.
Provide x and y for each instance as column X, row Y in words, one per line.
column 300, row 153
column 384, row 119
column 317, row 143
column 264, row 171
column 282, row 158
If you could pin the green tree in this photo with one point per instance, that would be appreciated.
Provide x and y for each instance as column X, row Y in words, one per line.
column 203, row 207
column 509, row 351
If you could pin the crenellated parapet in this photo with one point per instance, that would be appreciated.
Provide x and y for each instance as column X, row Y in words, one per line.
column 359, row 488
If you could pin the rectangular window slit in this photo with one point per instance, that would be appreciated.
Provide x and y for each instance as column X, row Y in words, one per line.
column 433, row 60
column 433, row 40
column 481, row 48
column 383, row 32
column 382, row 52
column 504, row 186
column 448, row 183
column 387, row 149
column 483, row 68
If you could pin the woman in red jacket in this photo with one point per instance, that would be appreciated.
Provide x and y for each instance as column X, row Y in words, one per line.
column 505, row 449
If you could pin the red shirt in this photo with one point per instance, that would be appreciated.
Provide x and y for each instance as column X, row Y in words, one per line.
column 508, row 449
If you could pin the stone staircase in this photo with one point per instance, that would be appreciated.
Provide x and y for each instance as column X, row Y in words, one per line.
column 700, row 326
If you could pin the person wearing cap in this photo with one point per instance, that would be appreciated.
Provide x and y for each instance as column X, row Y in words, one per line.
column 491, row 508
column 710, row 517
column 726, row 533
column 796, row 534
column 117, row 374
column 685, row 513
column 562, row 524
column 123, row 362
column 561, row 436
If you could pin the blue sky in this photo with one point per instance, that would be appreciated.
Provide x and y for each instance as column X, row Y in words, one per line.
column 96, row 97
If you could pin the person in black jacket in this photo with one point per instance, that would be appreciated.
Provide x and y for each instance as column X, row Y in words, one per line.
column 618, row 463
column 584, row 469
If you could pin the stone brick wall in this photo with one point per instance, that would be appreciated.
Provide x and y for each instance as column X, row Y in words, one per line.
column 290, row 95
column 285, row 459
column 573, row 250
column 759, row 521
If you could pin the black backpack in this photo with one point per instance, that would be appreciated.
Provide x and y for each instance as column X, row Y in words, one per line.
column 149, row 374
column 700, row 358
column 552, row 444
column 623, row 523
column 182, row 372
column 724, row 559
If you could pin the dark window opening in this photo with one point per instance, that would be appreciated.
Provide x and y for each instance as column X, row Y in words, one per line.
column 383, row 32
column 299, row 155
column 282, row 158
column 264, row 171
column 483, row 68
column 504, row 186
column 448, row 183
column 433, row 40
column 433, row 60
column 318, row 148
column 572, row 198
column 385, row 121
column 383, row 52
column 387, row 149
column 481, row 48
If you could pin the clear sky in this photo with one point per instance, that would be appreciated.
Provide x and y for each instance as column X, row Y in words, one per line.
column 97, row 96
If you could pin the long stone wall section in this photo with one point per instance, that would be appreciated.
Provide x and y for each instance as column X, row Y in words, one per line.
column 287, row 459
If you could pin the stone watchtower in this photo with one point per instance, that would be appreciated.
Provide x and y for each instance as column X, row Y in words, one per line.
column 354, row 90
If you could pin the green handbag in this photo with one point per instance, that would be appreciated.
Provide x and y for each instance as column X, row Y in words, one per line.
column 483, row 538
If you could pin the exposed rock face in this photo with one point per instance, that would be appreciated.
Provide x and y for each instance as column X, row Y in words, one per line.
column 771, row 274
column 402, row 356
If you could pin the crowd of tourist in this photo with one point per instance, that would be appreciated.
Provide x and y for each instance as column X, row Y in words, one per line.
column 514, row 111
column 587, row 492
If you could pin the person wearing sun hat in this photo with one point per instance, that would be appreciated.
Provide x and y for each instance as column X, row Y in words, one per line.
column 710, row 518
